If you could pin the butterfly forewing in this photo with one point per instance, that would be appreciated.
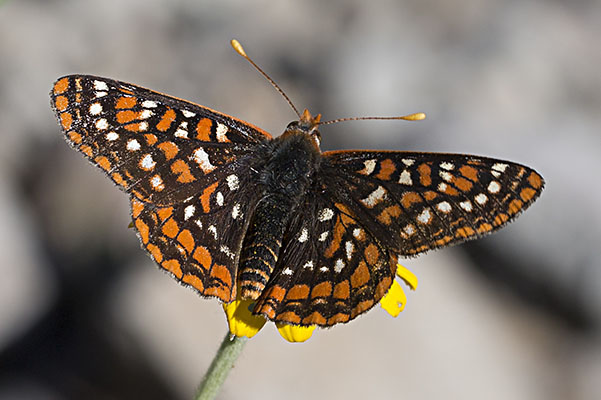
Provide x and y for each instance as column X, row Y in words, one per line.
column 158, row 148
column 420, row 201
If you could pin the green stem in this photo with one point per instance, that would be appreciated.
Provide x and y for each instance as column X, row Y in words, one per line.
column 228, row 353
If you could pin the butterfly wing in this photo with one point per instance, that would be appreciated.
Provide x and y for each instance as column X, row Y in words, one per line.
column 414, row 202
column 158, row 148
column 331, row 268
column 368, row 207
column 182, row 164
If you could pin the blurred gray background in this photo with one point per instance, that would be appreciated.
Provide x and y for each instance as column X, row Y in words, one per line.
column 84, row 313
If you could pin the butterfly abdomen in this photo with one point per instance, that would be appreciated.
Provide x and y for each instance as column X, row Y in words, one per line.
column 283, row 181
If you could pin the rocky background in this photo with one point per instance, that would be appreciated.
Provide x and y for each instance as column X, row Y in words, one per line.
column 85, row 314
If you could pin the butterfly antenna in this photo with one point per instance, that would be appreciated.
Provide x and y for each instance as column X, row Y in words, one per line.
column 240, row 50
column 411, row 117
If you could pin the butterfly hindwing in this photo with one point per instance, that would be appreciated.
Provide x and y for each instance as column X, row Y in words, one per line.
column 331, row 268
column 158, row 148
column 414, row 202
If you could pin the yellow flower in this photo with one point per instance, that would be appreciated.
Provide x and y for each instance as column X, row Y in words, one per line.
column 242, row 322
column 394, row 301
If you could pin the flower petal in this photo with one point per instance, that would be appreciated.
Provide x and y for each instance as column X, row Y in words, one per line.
column 394, row 301
column 240, row 319
column 293, row 333
column 406, row 275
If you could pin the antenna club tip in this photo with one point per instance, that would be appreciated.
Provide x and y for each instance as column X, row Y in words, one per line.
column 238, row 47
column 416, row 117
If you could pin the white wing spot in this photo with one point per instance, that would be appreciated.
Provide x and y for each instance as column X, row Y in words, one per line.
column 350, row 248
column 213, row 230
column 369, row 166
column 405, row 178
column 202, row 159
column 357, row 232
column 188, row 114
column 500, row 167
column 425, row 216
column 198, row 223
column 447, row 165
column 146, row 114
column 221, row 131
column 408, row 162
column 95, row 109
column 446, row 176
column 143, row 126
column 101, row 94
column 326, row 214
column 149, row 104
column 232, row 182
column 444, row 206
column 112, row 136
column 157, row 183
column 287, row 271
column 219, row 198
column 323, row 236
column 324, row 269
column 374, row 197
column 442, row 187
column 304, row 235
column 102, row 124
column 226, row 250
column 308, row 264
column 236, row 211
column 189, row 212
column 182, row 130
column 481, row 199
column 147, row 163
column 100, row 85
column 494, row 187
column 339, row 265
column 133, row 145
column 466, row 205
column 409, row 229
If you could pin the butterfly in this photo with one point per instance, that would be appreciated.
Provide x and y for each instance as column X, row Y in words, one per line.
column 313, row 237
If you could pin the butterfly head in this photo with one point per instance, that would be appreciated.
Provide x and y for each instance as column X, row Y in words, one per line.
column 306, row 125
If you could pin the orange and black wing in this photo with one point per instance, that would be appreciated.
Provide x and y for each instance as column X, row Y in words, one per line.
column 184, row 166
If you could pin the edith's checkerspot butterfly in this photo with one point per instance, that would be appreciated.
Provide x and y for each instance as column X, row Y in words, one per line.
column 312, row 236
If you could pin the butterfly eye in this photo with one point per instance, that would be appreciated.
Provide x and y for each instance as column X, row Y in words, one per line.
column 292, row 125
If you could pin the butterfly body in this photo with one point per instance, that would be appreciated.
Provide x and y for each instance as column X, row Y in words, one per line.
column 288, row 170
column 312, row 236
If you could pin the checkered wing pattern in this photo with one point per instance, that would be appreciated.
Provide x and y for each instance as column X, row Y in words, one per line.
column 369, row 207
column 332, row 268
column 415, row 202
column 180, row 163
